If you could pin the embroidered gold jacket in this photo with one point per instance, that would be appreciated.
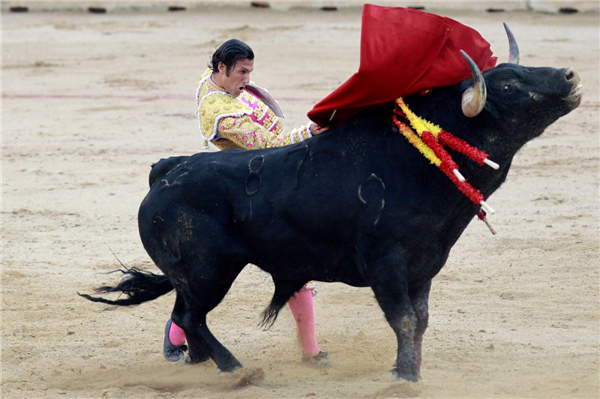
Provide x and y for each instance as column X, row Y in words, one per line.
column 244, row 122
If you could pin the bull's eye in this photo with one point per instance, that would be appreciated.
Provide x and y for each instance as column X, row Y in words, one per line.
column 506, row 87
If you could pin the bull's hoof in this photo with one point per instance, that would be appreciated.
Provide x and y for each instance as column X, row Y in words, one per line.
column 403, row 377
column 191, row 359
column 228, row 365
column 187, row 360
column 229, row 373
column 400, row 388
column 318, row 360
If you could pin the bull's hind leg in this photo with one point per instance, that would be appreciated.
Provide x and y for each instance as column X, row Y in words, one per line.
column 200, row 351
column 201, row 341
column 204, row 292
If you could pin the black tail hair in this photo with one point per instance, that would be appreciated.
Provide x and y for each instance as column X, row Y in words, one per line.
column 139, row 286
column 269, row 315
column 284, row 290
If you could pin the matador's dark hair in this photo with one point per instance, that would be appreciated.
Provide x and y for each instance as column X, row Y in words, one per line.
column 229, row 53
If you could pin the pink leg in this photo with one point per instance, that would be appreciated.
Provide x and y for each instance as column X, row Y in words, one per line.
column 301, row 305
column 176, row 335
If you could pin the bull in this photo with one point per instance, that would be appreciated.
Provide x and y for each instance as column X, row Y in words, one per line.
column 357, row 204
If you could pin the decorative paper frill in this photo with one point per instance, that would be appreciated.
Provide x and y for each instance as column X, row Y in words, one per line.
column 429, row 139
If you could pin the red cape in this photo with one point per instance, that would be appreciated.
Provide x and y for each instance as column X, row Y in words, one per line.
column 403, row 52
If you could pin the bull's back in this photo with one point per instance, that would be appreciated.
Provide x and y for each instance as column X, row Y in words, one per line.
column 306, row 205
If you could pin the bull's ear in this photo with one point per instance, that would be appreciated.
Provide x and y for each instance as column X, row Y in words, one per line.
column 473, row 99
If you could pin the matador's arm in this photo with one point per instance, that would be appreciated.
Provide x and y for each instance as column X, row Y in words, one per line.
column 244, row 133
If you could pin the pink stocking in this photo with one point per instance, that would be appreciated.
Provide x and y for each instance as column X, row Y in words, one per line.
column 301, row 305
column 176, row 334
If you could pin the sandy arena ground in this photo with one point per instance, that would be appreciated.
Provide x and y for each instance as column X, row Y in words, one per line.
column 90, row 101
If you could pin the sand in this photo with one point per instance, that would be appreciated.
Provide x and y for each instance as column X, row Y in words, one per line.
column 90, row 101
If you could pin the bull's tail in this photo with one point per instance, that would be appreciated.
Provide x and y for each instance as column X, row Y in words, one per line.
column 284, row 290
column 139, row 286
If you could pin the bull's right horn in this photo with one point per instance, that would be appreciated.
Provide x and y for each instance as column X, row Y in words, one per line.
column 513, row 56
column 473, row 99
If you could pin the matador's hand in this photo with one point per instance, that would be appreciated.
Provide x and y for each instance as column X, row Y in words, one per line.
column 316, row 129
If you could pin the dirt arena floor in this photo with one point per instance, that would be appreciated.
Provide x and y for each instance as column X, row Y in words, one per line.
column 90, row 101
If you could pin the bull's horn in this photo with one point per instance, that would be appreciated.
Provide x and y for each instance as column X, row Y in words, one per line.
column 473, row 99
column 513, row 57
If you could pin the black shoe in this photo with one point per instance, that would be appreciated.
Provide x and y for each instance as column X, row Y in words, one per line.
column 319, row 360
column 173, row 353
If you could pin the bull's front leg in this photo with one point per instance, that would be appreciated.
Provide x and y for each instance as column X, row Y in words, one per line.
column 388, row 281
column 420, row 302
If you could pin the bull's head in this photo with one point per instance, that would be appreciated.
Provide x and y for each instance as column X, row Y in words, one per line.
column 514, row 86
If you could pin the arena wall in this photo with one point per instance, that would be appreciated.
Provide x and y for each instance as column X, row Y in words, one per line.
column 548, row 6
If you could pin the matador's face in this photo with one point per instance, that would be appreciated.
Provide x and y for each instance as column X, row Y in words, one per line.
column 238, row 77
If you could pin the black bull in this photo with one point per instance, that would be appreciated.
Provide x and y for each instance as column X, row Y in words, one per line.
column 358, row 205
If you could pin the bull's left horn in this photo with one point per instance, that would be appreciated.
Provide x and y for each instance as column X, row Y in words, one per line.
column 473, row 99
column 513, row 56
